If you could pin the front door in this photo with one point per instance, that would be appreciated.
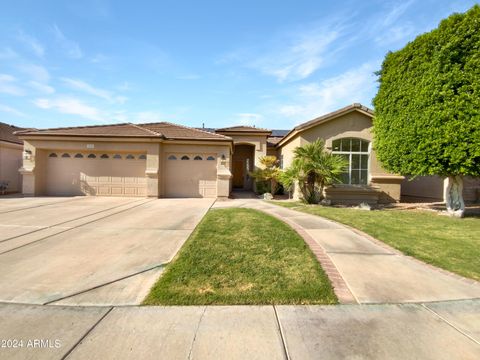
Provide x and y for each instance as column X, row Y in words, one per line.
column 238, row 174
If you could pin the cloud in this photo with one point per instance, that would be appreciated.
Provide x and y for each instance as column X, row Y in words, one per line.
column 89, row 89
column 8, row 53
column 71, row 48
column 42, row 88
column 32, row 43
column 8, row 85
column 387, row 29
column 294, row 55
column 98, row 58
column 69, row 105
column 317, row 98
column 36, row 72
column 10, row 110
column 249, row 119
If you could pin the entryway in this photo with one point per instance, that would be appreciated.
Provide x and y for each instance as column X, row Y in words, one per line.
column 242, row 165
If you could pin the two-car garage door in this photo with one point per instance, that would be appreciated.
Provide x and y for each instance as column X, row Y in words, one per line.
column 102, row 174
column 115, row 174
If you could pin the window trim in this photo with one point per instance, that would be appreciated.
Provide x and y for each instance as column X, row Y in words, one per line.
column 350, row 153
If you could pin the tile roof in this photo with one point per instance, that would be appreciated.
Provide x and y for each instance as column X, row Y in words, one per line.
column 243, row 128
column 7, row 133
column 161, row 130
column 328, row 117
column 273, row 140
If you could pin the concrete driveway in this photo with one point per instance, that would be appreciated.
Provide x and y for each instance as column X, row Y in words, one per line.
column 90, row 250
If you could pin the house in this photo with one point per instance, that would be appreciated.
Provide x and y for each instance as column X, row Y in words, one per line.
column 168, row 160
column 11, row 148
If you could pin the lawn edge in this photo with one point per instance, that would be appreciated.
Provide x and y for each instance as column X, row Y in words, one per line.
column 388, row 247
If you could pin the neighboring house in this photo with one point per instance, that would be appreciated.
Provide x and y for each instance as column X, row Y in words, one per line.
column 11, row 148
column 168, row 160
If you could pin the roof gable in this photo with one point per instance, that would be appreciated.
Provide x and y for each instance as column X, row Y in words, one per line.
column 327, row 117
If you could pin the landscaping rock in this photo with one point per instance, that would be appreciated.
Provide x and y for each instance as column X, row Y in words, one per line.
column 267, row 196
column 365, row 206
column 326, row 202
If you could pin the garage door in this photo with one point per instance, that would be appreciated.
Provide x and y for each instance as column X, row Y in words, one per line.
column 190, row 175
column 102, row 174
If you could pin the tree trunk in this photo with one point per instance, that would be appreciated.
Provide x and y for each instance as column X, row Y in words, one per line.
column 454, row 196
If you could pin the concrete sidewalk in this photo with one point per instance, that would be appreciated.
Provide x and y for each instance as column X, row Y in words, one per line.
column 363, row 270
column 448, row 330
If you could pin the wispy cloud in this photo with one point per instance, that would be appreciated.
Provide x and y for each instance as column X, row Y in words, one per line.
column 42, row 88
column 388, row 28
column 35, row 72
column 314, row 99
column 148, row 116
column 294, row 55
column 89, row 89
column 71, row 48
column 249, row 119
column 11, row 111
column 8, row 53
column 8, row 85
column 70, row 105
column 32, row 43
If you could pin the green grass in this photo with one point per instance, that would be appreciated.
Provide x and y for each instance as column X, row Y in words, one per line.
column 242, row 256
column 449, row 243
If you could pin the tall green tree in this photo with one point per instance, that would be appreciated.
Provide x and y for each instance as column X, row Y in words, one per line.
column 427, row 109
column 313, row 168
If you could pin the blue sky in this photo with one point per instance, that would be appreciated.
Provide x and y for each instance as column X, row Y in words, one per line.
column 272, row 64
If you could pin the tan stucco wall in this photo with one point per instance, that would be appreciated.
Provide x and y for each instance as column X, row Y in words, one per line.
column 10, row 163
column 34, row 179
column 432, row 188
column 351, row 125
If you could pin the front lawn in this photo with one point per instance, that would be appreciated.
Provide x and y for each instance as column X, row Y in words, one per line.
column 449, row 243
column 242, row 256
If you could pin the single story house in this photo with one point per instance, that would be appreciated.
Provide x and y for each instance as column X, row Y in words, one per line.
column 169, row 160
column 11, row 148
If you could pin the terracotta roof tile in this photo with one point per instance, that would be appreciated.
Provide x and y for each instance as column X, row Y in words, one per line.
column 243, row 128
column 160, row 130
column 174, row 131
column 7, row 133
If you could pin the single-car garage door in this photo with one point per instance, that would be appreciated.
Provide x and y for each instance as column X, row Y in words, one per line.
column 102, row 174
column 190, row 175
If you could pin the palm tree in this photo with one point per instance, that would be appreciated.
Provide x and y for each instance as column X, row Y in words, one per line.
column 268, row 172
column 313, row 168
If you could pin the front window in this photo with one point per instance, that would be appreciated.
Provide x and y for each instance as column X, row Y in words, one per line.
column 355, row 151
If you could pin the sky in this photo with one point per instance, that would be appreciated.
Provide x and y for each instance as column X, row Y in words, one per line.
column 271, row 64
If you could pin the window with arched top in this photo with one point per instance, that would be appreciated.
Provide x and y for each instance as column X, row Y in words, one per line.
column 78, row 156
column 53, row 155
column 356, row 152
column 117, row 156
column 104, row 156
column 92, row 156
column 65, row 155
column 172, row 157
column 130, row 157
column 185, row 157
column 142, row 157
column 198, row 157
column 210, row 158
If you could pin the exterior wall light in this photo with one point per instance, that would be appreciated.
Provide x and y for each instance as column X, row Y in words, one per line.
column 27, row 155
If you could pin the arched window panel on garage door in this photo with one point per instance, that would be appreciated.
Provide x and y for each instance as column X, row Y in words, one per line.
column 130, row 157
column 53, row 155
column 65, row 155
column 172, row 157
column 185, row 157
column 142, row 157
column 78, row 156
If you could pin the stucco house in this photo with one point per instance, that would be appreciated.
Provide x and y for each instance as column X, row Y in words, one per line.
column 11, row 148
column 168, row 160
